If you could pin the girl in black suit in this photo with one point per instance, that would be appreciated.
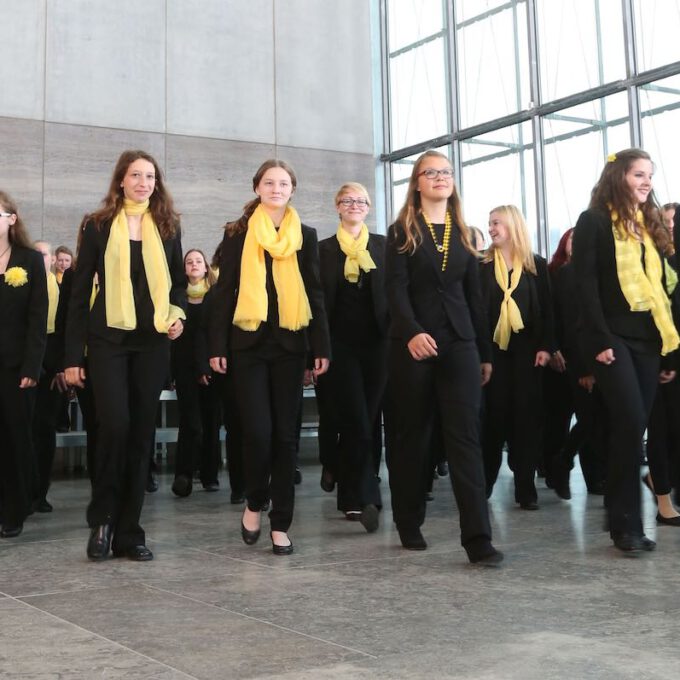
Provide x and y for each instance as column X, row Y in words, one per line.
column 627, row 322
column 133, row 245
column 439, row 356
column 516, row 293
column 268, row 312
column 353, row 279
column 23, row 332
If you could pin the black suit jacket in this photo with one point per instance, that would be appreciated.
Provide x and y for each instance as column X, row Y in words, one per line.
column 418, row 291
column 23, row 310
column 224, row 336
column 81, row 321
column 332, row 261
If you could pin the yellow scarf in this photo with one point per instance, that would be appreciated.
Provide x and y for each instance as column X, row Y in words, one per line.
column 356, row 252
column 643, row 288
column 120, row 302
column 197, row 291
column 52, row 301
column 510, row 318
column 59, row 276
column 252, row 304
column 671, row 277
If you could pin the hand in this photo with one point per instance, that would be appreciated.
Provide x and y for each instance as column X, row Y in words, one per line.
column 557, row 362
column 542, row 358
column 606, row 357
column 422, row 346
column 666, row 376
column 204, row 379
column 486, row 373
column 59, row 382
column 26, row 382
column 176, row 329
column 218, row 364
column 587, row 382
column 75, row 376
column 320, row 367
column 308, row 378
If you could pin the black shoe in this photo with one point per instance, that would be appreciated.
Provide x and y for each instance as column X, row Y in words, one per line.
column 100, row 542
column 529, row 505
column 298, row 475
column 353, row 515
column 136, row 553
column 43, row 505
column 668, row 521
column 249, row 537
column 647, row 543
column 236, row 498
column 11, row 532
column 151, row 484
column 633, row 543
column 211, row 486
column 560, row 480
column 281, row 549
column 443, row 468
column 327, row 480
column 483, row 553
column 182, row 486
column 369, row 518
column 412, row 539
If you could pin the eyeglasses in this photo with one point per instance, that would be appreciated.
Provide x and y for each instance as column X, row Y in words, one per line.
column 349, row 202
column 2, row 214
column 431, row 173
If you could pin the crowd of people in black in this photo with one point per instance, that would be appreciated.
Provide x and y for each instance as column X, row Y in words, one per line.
column 461, row 350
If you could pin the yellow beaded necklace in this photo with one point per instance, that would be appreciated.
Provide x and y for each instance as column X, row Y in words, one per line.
column 444, row 246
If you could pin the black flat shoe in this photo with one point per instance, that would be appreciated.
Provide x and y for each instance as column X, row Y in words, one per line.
column 100, row 542
column 136, row 553
column 668, row 521
column 211, row 486
column 412, row 539
column 369, row 518
column 529, row 505
column 298, row 476
column 43, row 505
column 281, row 549
column 11, row 532
column 353, row 515
column 327, row 482
column 633, row 543
column 484, row 554
column 151, row 484
column 182, row 486
column 249, row 537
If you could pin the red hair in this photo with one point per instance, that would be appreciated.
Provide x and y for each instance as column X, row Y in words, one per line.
column 560, row 257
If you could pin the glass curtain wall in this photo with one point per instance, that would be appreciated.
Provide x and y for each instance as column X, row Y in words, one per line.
column 528, row 97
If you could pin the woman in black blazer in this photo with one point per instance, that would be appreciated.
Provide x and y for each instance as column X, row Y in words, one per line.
column 23, row 333
column 353, row 280
column 439, row 357
column 627, row 323
column 132, row 243
column 268, row 313
column 516, row 293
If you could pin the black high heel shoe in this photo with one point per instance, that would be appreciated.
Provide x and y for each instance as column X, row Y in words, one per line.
column 100, row 542
column 281, row 549
column 249, row 537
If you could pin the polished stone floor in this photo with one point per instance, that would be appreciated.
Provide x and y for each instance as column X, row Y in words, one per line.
column 347, row 604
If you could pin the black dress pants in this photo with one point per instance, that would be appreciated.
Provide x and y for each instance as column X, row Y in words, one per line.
column 450, row 383
column 127, row 384
column 328, row 433
column 224, row 385
column 47, row 405
column 628, row 388
column 268, row 381
column 86, row 405
column 663, row 437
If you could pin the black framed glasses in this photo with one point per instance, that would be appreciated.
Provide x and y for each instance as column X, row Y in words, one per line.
column 349, row 202
column 431, row 173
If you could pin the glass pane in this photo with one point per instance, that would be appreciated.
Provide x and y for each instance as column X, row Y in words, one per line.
column 660, row 108
column 577, row 142
column 498, row 169
column 411, row 20
column 467, row 10
column 493, row 66
column 581, row 45
column 418, row 100
column 657, row 29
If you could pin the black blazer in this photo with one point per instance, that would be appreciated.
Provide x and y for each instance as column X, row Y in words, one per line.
column 81, row 321
column 605, row 310
column 23, row 310
column 540, row 323
column 418, row 291
column 223, row 336
column 332, row 261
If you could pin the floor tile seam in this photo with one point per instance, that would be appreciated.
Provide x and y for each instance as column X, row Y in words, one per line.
column 419, row 556
column 104, row 638
column 235, row 559
column 89, row 589
column 262, row 621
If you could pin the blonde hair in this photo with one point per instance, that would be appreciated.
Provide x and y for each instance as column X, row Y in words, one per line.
column 352, row 186
column 519, row 236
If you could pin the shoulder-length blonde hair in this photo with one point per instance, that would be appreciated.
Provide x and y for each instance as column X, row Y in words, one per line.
column 519, row 237
column 408, row 215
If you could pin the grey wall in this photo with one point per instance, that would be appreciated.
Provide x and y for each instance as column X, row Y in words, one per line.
column 211, row 88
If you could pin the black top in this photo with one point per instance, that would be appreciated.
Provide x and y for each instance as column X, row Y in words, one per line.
column 184, row 350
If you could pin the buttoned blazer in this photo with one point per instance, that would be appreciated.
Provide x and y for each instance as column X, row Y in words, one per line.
column 82, row 322
column 417, row 290
column 332, row 261
column 23, row 309
column 223, row 336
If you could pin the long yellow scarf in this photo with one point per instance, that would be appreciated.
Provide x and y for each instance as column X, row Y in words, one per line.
column 52, row 301
column 643, row 288
column 197, row 291
column 510, row 318
column 251, row 307
column 120, row 302
column 357, row 256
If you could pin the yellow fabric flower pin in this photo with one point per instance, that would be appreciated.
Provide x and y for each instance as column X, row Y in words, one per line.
column 16, row 276
column 611, row 158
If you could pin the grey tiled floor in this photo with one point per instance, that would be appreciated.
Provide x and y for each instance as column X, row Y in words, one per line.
column 346, row 604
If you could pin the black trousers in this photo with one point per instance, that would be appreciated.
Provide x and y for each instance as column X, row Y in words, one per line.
column 268, row 381
column 557, row 417
column 663, row 438
column 512, row 414
column 415, row 389
column 17, row 458
column 328, row 433
column 628, row 389
column 357, row 380
column 127, row 383
column 86, row 405
column 47, row 403
column 224, row 385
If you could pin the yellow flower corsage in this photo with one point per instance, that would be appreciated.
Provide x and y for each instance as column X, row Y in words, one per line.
column 16, row 276
column 611, row 158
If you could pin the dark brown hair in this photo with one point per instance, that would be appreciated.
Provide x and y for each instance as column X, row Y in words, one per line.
column 18, row 234
column 209, row 275
column 63, row 249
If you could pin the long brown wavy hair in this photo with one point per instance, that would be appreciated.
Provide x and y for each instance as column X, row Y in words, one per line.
column 18, row 234
column 612, row 192
column 241, row 224
column 411, row 210
column 161, row 205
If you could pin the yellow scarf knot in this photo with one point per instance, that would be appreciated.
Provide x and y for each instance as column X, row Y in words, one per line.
column 510, row 318
column 357, row 255
column 197, row 291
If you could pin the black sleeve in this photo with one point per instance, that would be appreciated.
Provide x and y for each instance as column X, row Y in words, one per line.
column 225, row 291
column 178, row 279
column 475, row 300
column 676, row 230
column 60, row 320
column 202, row 361
column 36, row 319
column 319, row 334
column 547, row 342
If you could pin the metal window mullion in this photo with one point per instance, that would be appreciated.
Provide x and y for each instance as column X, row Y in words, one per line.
column 454, row 89
column 386, row 110
column 631, row 72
